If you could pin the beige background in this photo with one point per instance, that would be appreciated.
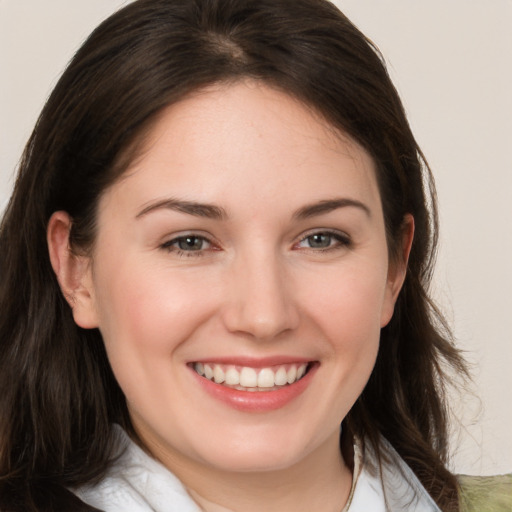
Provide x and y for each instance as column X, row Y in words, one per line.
column 451, row 62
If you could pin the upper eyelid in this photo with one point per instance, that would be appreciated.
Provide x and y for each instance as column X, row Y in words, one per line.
column 327, row 231
column 212, row 241
column 341, row 239
column 173, row 240
column 183, row 234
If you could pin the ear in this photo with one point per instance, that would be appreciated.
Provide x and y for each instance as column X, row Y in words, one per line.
column 397, row 270
column 73, row 271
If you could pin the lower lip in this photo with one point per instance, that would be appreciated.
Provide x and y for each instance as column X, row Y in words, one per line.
column 257, row 401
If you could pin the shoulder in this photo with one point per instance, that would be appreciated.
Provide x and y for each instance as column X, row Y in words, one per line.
column 383, row 481
column 138, row 483
column 489, row 493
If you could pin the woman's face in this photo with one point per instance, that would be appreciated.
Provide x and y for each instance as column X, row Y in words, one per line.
column 248, row 243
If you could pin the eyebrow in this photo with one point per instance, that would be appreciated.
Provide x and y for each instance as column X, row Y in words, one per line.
column 211, row 211
column 329, row 205
column 208, row 211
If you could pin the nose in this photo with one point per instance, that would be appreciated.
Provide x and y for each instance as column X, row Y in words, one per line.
column 260, row 301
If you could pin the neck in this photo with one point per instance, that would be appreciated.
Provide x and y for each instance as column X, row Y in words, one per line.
column 320, row 482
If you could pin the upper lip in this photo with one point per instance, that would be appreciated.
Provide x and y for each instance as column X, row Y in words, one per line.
column 254, row 362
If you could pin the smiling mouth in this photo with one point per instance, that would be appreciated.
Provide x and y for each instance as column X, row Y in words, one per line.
column 246, row 378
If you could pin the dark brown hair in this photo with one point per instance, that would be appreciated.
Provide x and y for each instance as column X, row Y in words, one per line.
column 59, row 396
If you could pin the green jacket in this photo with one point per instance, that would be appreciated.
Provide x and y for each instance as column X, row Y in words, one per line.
column 486, row 493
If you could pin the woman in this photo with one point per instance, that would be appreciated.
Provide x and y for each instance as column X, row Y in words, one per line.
column 218, row 250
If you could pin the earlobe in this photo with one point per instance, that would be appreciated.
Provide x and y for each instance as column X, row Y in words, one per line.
column 398, row 270
column 73, row 271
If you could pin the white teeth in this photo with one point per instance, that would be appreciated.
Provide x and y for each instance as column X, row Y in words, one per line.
column 301, row 371
column 266, row 378
column 292, row 374
column 232, row 377
column 281, row 377
column 208, row 372
column 218, row 374
column 251, row 379
column 248, row 377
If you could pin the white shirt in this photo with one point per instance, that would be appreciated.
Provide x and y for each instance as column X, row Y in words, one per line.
column 138, row 483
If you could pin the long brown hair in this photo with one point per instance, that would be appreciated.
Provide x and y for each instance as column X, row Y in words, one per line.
column 59, row 396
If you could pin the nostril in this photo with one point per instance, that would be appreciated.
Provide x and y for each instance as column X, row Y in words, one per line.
column 263, row 321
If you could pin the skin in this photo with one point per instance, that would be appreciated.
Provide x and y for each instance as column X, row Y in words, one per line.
column 257, row 286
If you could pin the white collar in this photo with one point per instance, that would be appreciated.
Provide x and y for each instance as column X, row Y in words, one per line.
column 390, row 486
column 138, row 483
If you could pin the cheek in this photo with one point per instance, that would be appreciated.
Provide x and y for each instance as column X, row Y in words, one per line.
column 145, row 317
column 350, row 305
column 148, row 302
column 144, row 321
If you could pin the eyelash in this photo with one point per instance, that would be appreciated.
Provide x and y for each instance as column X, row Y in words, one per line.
column 172, row 246
column 341, row 240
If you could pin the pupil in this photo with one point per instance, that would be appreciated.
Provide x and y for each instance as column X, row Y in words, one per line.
column 320, row 240
column 188, row 243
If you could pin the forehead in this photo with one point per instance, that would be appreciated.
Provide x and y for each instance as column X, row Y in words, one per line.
column 250, row 137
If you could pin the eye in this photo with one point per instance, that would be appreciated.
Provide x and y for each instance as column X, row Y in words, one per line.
column 324, row 240
column 188, row 244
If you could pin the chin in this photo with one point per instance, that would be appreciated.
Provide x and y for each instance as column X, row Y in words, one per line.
column 255, row 453
column 254, row 462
